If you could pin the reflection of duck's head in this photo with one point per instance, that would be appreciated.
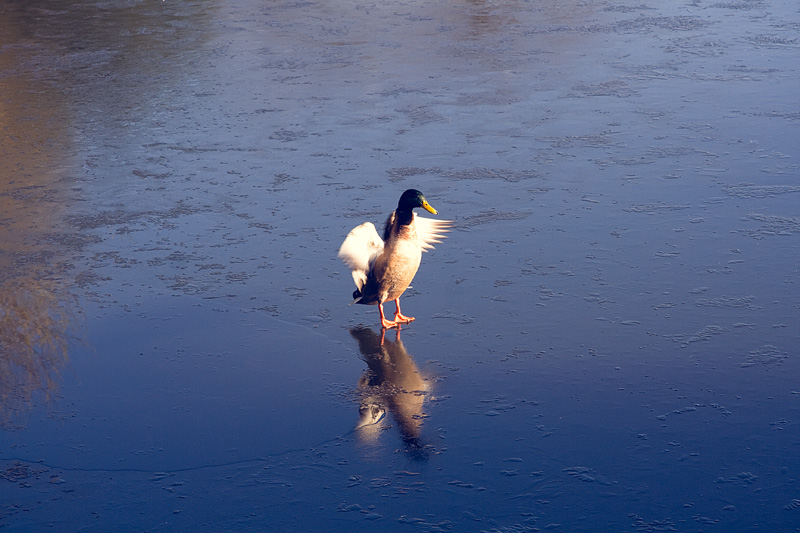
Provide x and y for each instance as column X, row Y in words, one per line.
column 391, row 383
column 370, row 418
column 370, row 413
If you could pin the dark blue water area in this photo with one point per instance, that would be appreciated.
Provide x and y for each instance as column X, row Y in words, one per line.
column 205, row 430
column 163, row 387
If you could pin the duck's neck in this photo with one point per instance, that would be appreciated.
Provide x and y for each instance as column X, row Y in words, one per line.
column 404, row 218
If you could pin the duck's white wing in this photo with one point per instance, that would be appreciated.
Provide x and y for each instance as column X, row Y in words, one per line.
column 430, row 231
column 359, row 250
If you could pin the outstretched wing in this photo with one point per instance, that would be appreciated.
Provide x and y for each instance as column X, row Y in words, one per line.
column 359, row 250
column 431, row 231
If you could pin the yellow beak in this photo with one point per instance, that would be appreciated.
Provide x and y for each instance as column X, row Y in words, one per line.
column 427, row 207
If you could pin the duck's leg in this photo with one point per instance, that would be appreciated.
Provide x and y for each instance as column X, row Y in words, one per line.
column 400, row 317
column 386, row 323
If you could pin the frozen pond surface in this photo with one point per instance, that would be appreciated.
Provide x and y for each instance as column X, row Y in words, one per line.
column 606, row 341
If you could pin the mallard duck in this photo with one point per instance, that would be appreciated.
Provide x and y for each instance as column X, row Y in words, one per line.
column 383, row 268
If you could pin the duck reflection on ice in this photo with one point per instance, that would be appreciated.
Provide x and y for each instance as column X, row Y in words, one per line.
column 392, row 383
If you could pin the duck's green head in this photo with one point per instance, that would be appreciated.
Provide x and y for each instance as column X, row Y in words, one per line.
column 413, row 198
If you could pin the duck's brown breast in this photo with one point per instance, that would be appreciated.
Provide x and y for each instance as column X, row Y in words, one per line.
column 400, row 263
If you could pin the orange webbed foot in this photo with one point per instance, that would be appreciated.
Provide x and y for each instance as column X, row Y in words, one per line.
column 403, row 319
column 400, row 317
column 386, row 324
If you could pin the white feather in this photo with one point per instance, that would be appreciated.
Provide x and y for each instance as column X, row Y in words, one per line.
column 359, row 250
column 430, row 231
